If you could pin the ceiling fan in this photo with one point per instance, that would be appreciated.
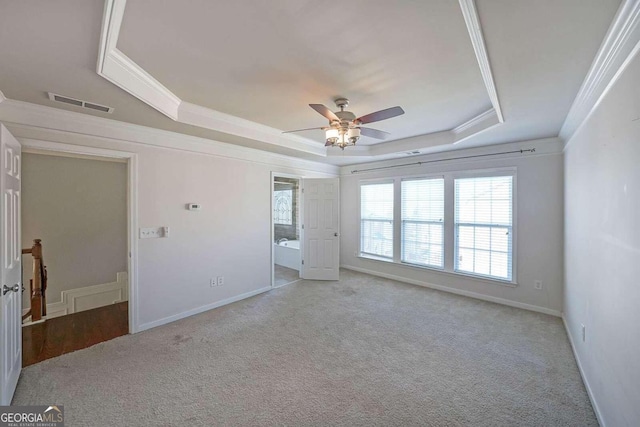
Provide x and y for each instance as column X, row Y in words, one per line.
column 344, row 127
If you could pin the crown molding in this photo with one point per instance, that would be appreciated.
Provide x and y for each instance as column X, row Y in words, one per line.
column 472, row 20
column 478, row 124
column 197, row 115
column 616, row 51
column 110, row 31
column 419, row 142
column 472, row 127
column 120, row 70
column 39, row 122
column 123, row 72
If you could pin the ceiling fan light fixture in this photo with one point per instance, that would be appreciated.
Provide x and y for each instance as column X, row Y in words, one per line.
column 344, row 127
column 332, row 136
column 354, row 135
column 346, row 137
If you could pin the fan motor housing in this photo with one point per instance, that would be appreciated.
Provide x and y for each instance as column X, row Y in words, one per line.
column 345, row 115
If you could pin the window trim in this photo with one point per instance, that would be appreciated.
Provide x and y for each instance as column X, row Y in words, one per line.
column 448, row 222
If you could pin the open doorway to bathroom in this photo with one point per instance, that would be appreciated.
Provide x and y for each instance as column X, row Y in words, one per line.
column 285, row 218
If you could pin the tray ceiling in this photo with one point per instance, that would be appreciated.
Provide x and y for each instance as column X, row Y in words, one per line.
column 254, row 66
column 266, row 61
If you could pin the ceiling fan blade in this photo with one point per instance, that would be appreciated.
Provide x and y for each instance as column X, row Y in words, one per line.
column 300, row 130
column 380, row 115
column 330, row 115
column 374, row 133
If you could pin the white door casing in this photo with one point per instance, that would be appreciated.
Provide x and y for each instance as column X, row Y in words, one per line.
column 321, row 228
column 10, row 271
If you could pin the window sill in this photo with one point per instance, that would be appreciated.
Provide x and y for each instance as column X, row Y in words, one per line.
column 376, row 258
column 481, row 279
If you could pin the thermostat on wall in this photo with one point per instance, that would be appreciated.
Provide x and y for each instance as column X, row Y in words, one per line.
column 194, row 206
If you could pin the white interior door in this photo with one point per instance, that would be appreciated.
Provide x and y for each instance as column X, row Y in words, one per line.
column 11, row 257
column 321, row 228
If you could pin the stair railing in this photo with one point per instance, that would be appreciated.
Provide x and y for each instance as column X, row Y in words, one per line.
column 38, row 285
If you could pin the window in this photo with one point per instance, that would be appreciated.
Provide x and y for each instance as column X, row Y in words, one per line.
column 422, row 234
column 453, row 222
column 376, row 219
column 483, row 226
column 283, row 207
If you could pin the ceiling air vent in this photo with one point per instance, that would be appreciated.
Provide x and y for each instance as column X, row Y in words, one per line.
column 412, row 153
column 80, row 103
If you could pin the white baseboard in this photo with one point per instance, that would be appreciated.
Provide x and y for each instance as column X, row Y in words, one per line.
column 458, row 291
column 592, row 398
column 88, row 297
column 201, row 309
column 287, row 284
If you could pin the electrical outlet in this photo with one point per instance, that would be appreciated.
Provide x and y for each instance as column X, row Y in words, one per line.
column 220, row 280
column 213, row 282
column 584, row 333
column 538, row 284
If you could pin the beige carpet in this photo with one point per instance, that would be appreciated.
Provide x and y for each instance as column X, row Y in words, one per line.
column 284, row 275
column 362, row 351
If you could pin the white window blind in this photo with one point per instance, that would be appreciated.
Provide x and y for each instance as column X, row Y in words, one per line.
column 376, row 219
column 422, row 238
column 484, row 226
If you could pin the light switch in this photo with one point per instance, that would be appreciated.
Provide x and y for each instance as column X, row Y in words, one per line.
column 154, row 232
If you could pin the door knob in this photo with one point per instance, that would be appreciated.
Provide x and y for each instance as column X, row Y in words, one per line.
column 336, row 234
column 6, row 289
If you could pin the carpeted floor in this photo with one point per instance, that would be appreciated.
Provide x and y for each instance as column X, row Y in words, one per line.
column 362, row 351
column 284, row 275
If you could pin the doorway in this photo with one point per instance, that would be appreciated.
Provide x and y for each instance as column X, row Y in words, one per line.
column 74, row 233
column 286, row 229
column 123, row 314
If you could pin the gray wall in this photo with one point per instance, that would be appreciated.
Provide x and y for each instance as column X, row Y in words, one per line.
column 78, row 207
column 229, row 237
column 602, row 225
column 538, row 224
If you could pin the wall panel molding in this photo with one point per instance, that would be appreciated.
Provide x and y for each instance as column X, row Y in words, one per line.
column 89, row 297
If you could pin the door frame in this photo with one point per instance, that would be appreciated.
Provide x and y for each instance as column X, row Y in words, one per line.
column 132, row 205
column 273, row 227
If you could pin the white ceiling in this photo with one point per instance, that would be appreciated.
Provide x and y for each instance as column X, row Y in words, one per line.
column 265, row 61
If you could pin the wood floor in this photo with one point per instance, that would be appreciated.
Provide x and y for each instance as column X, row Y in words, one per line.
column 73, row 332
